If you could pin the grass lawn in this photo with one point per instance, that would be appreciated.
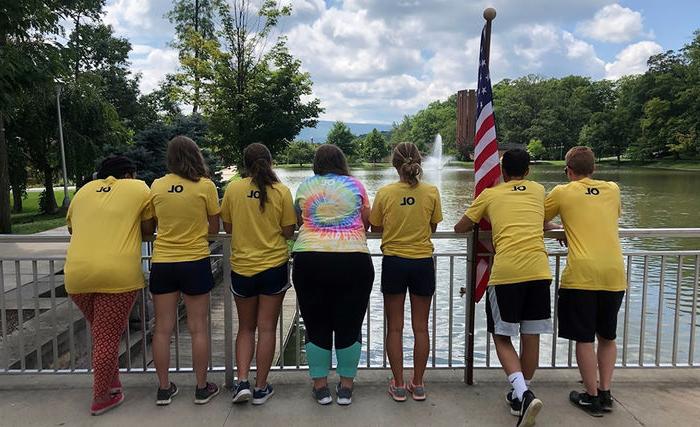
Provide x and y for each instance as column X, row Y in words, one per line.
column 32, row 221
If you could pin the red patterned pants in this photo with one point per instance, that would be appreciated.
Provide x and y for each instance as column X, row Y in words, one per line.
column 107, row 315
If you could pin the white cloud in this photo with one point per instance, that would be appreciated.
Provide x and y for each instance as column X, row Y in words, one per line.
column 376, row 60
column 632, row 59
column 613, row 23
column 153, row 64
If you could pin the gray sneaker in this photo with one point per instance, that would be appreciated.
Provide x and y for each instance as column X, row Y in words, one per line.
column 322, row 395
column 165, row 396
column 343, row 395
column 205, row 394
column 417, row 391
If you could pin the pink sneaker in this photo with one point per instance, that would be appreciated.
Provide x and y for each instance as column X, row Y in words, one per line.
column 397, row 393
column 102, row 407
column 417, row 391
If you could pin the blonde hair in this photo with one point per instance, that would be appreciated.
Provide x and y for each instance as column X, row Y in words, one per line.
column 407, row 161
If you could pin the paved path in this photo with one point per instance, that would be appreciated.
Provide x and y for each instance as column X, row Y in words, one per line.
column 645, row 397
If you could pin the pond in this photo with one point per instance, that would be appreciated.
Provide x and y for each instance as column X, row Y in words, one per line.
column 651, row 198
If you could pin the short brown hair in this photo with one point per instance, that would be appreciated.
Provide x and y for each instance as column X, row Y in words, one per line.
column 406, row 159
column 329, row 158
column 185, row 160
column 580, row 160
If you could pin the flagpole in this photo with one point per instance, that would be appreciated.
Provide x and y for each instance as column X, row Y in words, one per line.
column 489, row 15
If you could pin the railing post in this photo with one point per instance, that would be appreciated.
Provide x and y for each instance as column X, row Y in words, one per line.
column 470, row 287
column 228, row 314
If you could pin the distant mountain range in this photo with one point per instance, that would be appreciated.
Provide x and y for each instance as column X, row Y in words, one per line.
column 320, row 132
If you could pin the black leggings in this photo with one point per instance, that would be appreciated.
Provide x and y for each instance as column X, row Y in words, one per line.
column 333, row 290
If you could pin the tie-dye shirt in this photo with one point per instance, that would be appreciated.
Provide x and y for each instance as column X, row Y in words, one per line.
column 331, row 206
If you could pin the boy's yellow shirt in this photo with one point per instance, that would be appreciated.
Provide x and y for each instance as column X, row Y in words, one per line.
column 182, row 208
column 257, row 243
column 516, row 212
column 104, row 254
column 406, row 213
column 590, row 210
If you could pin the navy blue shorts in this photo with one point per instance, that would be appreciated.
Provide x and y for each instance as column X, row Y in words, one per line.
column 416, row 275
column 188, row 277
column 272, row 281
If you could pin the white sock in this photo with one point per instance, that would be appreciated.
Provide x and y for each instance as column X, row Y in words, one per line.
column 517, row 381
column 527, row 383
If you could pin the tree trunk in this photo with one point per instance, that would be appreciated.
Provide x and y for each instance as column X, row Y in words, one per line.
column 16, row 199
column 195, row 103
column 50, row 197
column 5, row 219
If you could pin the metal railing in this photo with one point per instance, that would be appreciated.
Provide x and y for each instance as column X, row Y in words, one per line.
column 43, row 332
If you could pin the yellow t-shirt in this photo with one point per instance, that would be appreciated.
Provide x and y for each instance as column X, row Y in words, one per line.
column 104, row 254
column 406, row 214
column 516, row 212
column 182, row 208
column 257, row 243
column 589, row 210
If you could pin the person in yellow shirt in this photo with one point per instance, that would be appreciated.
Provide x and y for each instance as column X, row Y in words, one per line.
column 518, row 295
column 406, row 213
column 593, row 283
column 103, row 274
column 259, row 214
column 186, row 207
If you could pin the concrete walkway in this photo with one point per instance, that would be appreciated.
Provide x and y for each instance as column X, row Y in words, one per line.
column 645, row 397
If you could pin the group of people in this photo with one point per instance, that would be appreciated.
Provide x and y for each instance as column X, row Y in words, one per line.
column 333, row 273
column 592, row 285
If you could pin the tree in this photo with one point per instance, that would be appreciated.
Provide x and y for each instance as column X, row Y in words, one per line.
column 28, row 54
column 195, row 39
column 341, row 136
column 256, row 93
column 685, row 143
column 375, row 147
column 300, row 152
column 536, row 149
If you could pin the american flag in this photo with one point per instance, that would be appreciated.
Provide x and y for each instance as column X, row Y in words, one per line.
column 487, row 170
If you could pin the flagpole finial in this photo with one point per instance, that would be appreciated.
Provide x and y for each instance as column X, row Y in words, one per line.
column 489, row 14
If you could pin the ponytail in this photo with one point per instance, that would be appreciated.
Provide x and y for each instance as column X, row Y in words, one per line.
column 258, row 165
column 407, row 161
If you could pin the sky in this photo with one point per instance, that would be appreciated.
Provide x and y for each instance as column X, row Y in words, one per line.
column 374, row 61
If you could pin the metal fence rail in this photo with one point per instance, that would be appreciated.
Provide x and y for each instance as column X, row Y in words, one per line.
column 42, row 331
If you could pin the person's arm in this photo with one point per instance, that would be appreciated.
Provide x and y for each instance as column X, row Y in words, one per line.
column 70, row 230
column 365, row 216
column 288, row 231
column 148, row 227
column 214, row 225
column 376, row 215
column 228, row 227
column 464, row 225
column 433, row 227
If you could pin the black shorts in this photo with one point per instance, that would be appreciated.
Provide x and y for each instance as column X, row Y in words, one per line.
column 519, row 308
column 416, row 275
column 272, row 281
column 188, row 277
column 585, row 314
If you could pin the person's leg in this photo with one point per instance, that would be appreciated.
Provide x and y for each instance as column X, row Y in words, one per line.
column 356, row 276
column 85, row 305
column 310, row 277
column 393, row 308
column 247, row 309
column 606, row 328
column 165, row 306
column 420, row 310
column 268, row 313
column 197, row 323
column 587, row 366
column 607, row 355
column 502, row 329
column 111, row 312
column 529, row 355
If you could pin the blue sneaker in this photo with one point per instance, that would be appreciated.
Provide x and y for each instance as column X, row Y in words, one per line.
column 242, row 393
column 260, row 396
